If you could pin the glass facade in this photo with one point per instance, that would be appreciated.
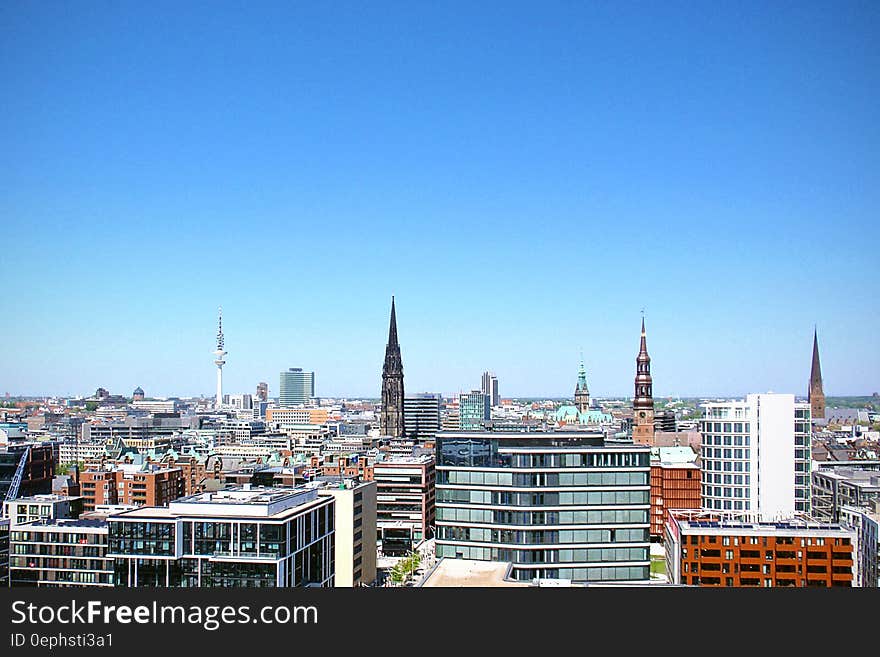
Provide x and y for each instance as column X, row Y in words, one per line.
column 556, row 505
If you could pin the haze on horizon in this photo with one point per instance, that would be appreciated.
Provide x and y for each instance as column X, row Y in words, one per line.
column 525, row 180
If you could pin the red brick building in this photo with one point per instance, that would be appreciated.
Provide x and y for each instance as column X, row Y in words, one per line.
column 706, row 549
column 139, row 486
column 675, row 484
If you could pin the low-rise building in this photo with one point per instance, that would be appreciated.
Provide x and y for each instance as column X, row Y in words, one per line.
column 140, row 485
column 60, row 553
column 243, row 537
column 835, row 485
column 42, row 507
column 705, row 548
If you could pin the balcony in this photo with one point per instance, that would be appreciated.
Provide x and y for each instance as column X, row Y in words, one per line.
column 238, row 556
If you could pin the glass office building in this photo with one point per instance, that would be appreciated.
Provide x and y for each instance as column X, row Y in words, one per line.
column 296, row 387
column 246, row 537
column 557, row 505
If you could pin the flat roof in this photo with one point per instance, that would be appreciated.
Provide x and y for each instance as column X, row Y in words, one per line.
column 66, row 523
column 471, row 573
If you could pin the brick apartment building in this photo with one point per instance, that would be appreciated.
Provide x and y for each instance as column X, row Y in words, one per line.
column 675, row 484
column 138, row 486
column 707, row 549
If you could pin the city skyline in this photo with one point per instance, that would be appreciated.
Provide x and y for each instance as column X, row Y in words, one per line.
column 523, row 179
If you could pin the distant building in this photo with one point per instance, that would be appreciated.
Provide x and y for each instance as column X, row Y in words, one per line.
column 262, row 391
column 241, row 402
column 835, row 485
column 581, row 391
column 32, row 465
column 817, row 394
column 556, row 504
column 755, row 456
column 392, row 414
column 243, row 537
column 138, row 394
column 710, row 549
column 675, row 484
column 296, row 387
column 664, row 421
column 421, row 415
column 490, row 388
column 60, row 553
column 473, row 410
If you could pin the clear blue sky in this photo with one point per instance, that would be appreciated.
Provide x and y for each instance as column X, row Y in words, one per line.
column 524, row 177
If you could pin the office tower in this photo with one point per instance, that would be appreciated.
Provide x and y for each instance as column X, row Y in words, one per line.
column 473, row 410
column 295, row 387
column 581, row 392
column 254, row 537
column 756, row 456
column 816, row 395
column 421, row 414
column 219, row 353
column 391, row 420
column 490, row 388
column 706, row 549
column 643, row 401
column 556, row 504
column 405, row 493
column 262, row 391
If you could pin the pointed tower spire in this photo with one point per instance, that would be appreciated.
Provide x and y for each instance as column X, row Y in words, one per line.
column 391, row 418
column 817, row 393
column 392, row 327
column 643, row 400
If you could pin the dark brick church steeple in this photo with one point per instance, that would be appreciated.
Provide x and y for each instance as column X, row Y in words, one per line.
column 817, row 394
column 643, row 400
column 391, row 419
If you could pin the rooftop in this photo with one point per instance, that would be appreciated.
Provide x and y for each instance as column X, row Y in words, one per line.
column 707, row 522
column 65, row 523
column 468, row 573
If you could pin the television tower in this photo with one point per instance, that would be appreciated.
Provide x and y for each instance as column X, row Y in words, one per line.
column 219, row 362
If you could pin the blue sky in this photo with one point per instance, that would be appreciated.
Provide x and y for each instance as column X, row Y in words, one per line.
column 524, row 177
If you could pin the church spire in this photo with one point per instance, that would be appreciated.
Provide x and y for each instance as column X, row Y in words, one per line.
column 391, row 418
column 816, row 394
column 643, row 399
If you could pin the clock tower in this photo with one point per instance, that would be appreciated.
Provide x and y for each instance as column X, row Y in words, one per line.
column 643, row 400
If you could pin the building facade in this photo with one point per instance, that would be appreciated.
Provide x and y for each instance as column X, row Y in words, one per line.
column 489, row 388
column 421, row 416
column 835, row 485
column 404, row 502
column 756, row 456
column 60, row 553
column 708, row 549
column 866, row 523
column 136, row 485
column 473, row 410
column 355, row 540
column 675, row 484
column 244, row 537
column 557, row 505
column 581, row 391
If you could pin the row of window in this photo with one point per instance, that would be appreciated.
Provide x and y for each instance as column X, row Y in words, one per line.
column 496, row 517
column 526, row 480
column 460, row 496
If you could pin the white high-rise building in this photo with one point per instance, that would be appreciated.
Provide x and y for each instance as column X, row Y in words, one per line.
column 756, row 456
